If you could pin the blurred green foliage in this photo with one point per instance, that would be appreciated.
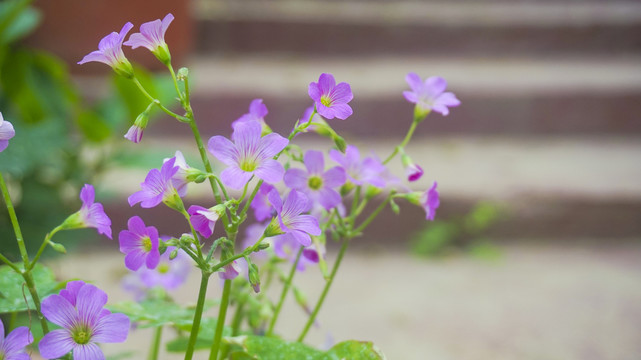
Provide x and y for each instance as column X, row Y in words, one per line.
column 61, row 142
column 463, row 234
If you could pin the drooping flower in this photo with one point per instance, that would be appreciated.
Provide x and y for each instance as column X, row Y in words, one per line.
column 152, row 36
column 134, row 134
column 84, row 324
column 413, row 171
column 139, row 244
column 179, row 179
column 6, row 133
column 248, row 155
column 231, row 271
column 367, row 171
column 110, row 52
column 430, row 202
column 203, row 219
column 263, row 209
column 157, row 187
column 290, row 218
column 429, row 95
column 317, row 183
column 13, row 346
column 91, row 214
column 331, row 99
column 287, row 247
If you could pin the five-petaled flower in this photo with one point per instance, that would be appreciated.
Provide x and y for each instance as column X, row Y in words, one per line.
column 317, row 183
column 369, row 171
column 429, row 95
column 290, row 219
column 139, row 244
column 331, row 99
column 157, row 187
column 110, row 52
column 152, row 36
column 13, row 346
column 248, row 155
column 6, row 133
column 84, row 321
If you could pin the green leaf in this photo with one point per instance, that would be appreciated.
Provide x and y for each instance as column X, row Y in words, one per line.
column 269, row 348
column 205, row 336
column 354, row 350
column 16, row 20
column 13, row 294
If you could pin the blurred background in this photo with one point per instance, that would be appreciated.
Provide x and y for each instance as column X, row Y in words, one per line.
column 536, row 250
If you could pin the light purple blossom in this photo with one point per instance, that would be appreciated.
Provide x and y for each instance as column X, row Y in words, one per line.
column 13, row 346
column 368, row 171
column 331, row 99
column 134, row 134
column 93, row 214
column 157, row 187
column 317, row 183
column 430, row 202
column 179, row 179
column 84, row 324
column 170, row 273
column 287, row 247
column 248, row 155
column 263, row 209
column 110, row 52
column 152, row 35
column 257, row 112
column 6, row 133
column 203, row 219
column 290, row 216
column 430, row 95
column 230, row 271
column 139, row 244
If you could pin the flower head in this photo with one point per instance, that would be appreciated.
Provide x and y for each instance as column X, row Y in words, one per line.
column 134, row 134
column 152, row 36
column 203, row 219
column 368, row 171
column 430, row 202
column 84, row 324
column 317, row 183
column 179, row 180
column 290, row 218
column 139, row 244
column 263, row 209
column 429, row 95
column 13, row 346
column 6, row 133
column 93, row 214
column 248, row 155
column 157, row 187
column 331, row 99
column 110, row 52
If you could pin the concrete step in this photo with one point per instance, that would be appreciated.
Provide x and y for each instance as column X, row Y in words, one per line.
column 484, row 28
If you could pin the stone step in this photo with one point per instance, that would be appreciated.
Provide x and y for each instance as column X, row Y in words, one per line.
column 484, row 28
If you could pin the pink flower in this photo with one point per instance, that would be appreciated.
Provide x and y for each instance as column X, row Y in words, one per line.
column 92, row 213
column 6, row 133
column 430, row 202
column 290, row 217
column 157, row 187
column 430, row 95
column 139, row 244
column 317, row 183
column 152, row 36
column 331, row 99
column 13, row 346
column 110, row 52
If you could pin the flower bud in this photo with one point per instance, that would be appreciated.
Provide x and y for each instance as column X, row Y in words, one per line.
column 140, row 124
column 347, row 188
column 340, row 143
column 58, row 247
column 254, row 278
column 182, row 74
column 173, row 254
column 412, row 170
column 372, row 191
column 263, row 246
column 301, row 299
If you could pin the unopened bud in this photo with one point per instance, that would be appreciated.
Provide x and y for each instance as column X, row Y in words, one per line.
column 372, row 191
column 182, row 74
column 173, row 254
column 395, row 208
column 263, row 246
column 347, row 188
column 195, row 175
column 340, row 143
column 254, row 278
column 58, row 247
column 301, row 299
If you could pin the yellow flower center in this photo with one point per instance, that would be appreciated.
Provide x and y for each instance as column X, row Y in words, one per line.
column 163, row 268
column 81, row 335
column 325, row 100
column 146, row 243
column 248, row 165
column 315, row 182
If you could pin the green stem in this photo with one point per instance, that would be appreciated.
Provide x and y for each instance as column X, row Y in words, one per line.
column 48, row 238
column 10, row 264
column 410, row 132
column 220, row 323
column 155, row 345
column 328, row 284
column 14, row 222
column 373, row 215
column 238, row 318
column 157, row 102
column 31, row 286
column 173, row 77
column 283, row 294
column 193, row 336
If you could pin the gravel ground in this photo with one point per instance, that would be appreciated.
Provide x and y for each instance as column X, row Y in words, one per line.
column 561, row 301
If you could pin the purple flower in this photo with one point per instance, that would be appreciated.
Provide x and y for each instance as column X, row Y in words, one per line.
column 169, row 274
column 179, row 179
column 134, row 134
column 317, row 183
column 231, row 271
column 203, row 219
column 368, row 171
column 257, row 112
column 263, row 209
column 84, row 324
column 249, row 154
column 287, row 247
column 152, row 36
column 6, row 133
column 430, row 95
column 430, row 202
column 331, row 99
column 290, row 219
column 412, row 170
column 157, row 187
column 110, row 52
column 93, row 214
column 139, row 244
column 13, row 347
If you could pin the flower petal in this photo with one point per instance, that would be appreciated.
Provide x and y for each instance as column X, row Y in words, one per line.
column 306, row 223
column 270, row 145
column 334, row 177
column 17, row 340
column 89, row 351
column 90, row 302
column 326, row 83
column 314, row 162
column 271, row 171
column 329, row 198
column 342, row 111
column 414, row 81
column 59, row 311
column 223, row 149
column 296, row 179
column 112, row 328
column 55, row 344
column 342, row 93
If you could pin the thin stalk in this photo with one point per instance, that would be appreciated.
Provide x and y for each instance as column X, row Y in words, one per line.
column 197, row 315
column 408, row 136
column 374, row 214
column 155, row 345
column 157, row 102
column 10, row 264
column 45, row 242
column 328, row 284
column 220, row 323
column 173, row 77
column 31, row 286
column 283, row 294
column 14, row 222
column 238, row 318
